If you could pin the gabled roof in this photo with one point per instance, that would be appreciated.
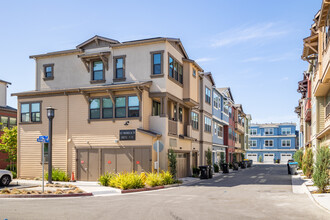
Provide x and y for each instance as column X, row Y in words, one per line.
column 2, row 81
column 8, row 108
column 96, row 39
column 227, row 92
column 240, row 107
column 209, row 75
column 324, row 12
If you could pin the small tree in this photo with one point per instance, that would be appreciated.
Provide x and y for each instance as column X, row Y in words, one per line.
column 321, row 174
column 222, row 157
column 308, row 163
column 298, row 157
column 172, row 162
column 260, row 158
column 8, row 144
column 209, row 157
column 234, row 158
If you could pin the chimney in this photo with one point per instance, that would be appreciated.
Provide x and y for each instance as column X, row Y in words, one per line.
column 3, row 93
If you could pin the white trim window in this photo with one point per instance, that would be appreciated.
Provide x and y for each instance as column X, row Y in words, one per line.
column 286, row 131
column 220, row 130
column 269, row 131
column 253, row 143
column 286, row 143
column 215, row 100
column 215, row 125
column 253, row 131
column 268, row 143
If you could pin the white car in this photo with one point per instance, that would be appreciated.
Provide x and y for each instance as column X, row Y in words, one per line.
column 5, row 177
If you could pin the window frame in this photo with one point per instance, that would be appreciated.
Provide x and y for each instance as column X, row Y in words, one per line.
column 115, row 58
column 45, row 78
column 269, row 129
column 253, row 141
column 219, row 130
column 134, row 106
column 152, row 53
column 286, row 141
column 253, row 129
column 194, row 123
column 207, row 127
column 176, row 66
column 268, row 145
column 30, row 113
column 286, row 133
column 93, row 81
column 207, row 97
column 158, row 106
column 180, row 114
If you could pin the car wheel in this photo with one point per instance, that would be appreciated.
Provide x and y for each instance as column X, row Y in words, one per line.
column 5, row 180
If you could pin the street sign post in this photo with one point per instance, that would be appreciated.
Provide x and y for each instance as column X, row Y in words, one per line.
column 158, row 147
column 43, row 140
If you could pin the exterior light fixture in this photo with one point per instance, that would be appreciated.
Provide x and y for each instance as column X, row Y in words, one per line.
column 50, row 115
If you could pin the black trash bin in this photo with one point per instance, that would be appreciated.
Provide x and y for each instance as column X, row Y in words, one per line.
column 204, row 172
column 289, row 161
column 246, row 163
column 250, row 163
column 242, row 165
column 210, row 172
column 225, row 168
column 293, row 168
column 235, row 166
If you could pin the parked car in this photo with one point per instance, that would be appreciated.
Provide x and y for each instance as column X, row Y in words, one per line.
column 5, row 177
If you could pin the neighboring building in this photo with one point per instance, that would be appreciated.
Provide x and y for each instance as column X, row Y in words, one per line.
column 220, row 122
column 314, row 105
column 239, row 131
column 272, row 142
column 248, row 119
column 113, row 101
column 7, row 118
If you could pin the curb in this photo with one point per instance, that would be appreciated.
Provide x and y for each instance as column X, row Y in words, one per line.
column 141, row 190
column 311, row 197
column 45, row 195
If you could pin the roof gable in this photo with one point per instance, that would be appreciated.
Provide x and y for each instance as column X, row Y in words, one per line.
column 97, row 42
column 176, row 43
column 227, row 92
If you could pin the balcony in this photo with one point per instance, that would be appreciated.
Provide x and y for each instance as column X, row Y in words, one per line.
column 172, row 127
column 239, row 127
column 308, row 110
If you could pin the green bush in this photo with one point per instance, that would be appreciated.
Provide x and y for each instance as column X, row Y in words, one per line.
column 308, row 163
column 153, row 179
column 172, row 162
column 321, row 174
column 105, row 179
column 58, row 175
column 230, row 166
column 216, row 168
column 14, row 174
column 260, row 158
column 209, row 157
column 11, row 167
column 127, row 181
column 196, row 171
column 298, row 157
column 167, row 178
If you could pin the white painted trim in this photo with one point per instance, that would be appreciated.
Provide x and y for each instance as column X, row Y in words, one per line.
column 269, row 143
column 253, row 150
column 285, row 141
column 272, row 136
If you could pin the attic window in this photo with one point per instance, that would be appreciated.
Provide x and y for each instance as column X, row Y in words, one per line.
column 49, row 71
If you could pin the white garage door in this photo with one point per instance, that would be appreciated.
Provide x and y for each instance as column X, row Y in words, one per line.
column 253, row 157
column 268, row 158
column 285, row 157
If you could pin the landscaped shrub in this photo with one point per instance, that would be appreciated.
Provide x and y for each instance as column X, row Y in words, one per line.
column 196, row 171
column 321, row 172
column 209, row 157
column 260, row 158
column 172, row 162
column 308, row 163
column 153, row 179
column 298, row 157
column 58, row 175
column 216, row 168
column 230, row 166
column 127, row 181
column 167, row 178
column 105, row 179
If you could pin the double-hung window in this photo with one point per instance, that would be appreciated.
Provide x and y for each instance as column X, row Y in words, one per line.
column 100, row 108
column 155, row 108
column 215, row 100
column 175, row 70
column 220, row 131
column 208, row 124
column 194, row 120
column 286, row 131
column 133, row 106
column 31, row 112
column 194, row 72
column 107, row 108
column 253, row 143
column 98, row 71
column 207, row 95
column 156, row 63
column 171, row 67
column 48, row 71
column 269, row 143
column 180, row 114
column 286, row 143
column 269, row 131
column 4, row 122
column 120, row 107
column 94, row 109
column 119, row 68
column 253, row 131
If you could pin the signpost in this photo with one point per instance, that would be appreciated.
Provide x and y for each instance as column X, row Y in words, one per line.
column 158, row 147
column 43, row 140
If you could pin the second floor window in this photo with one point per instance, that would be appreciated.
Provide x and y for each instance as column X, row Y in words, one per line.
column 175, row 70
column 119, row 68
column 98, row 73
column 194, row 72
column 268, row 143
column 215, row 100
column 48, row 71
column 207, row 95
column 286, row 143
column 269, row 131
column 120, row 107
column 253, row 143
column 180, row 114
column 133, row 106
column 286, row 131
column 100, row 108
column 157, row 63
column 253, row 131
column 220, row 131
column 155, row 108
column 208, row 124
column 30, row 112
column 194, row 120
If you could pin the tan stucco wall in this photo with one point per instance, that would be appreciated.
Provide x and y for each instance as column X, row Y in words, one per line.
column 3, row 94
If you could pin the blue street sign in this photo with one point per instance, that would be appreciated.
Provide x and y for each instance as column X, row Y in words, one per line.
column 43, row 139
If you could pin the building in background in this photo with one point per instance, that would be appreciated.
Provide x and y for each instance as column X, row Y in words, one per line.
column 8, row 117
column 239, row 131
column 248, row 119
column 271, row 142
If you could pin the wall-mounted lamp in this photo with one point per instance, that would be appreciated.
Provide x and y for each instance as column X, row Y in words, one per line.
column 126, row 123
column 116, row 141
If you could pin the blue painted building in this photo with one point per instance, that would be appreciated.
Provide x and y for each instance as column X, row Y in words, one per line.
column 220, row 121
column 271, row 142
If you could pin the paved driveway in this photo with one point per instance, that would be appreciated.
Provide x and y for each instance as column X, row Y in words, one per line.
column 261, row 192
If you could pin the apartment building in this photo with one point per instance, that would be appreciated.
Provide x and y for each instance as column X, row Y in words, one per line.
column 314, row 105
column 7, row 118
column 271, row 142
column 239, row 118
column 220, row 122
column 248, row 119
column 113, row 101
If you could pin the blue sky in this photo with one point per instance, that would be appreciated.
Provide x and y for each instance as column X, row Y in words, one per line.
column 252, row 46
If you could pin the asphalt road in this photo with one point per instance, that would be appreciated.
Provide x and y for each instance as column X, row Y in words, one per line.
column 260, row 192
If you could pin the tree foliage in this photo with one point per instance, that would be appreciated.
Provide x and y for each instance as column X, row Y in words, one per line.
column 321, row 173
column 308, row 162
column 8, row 143
column 172, row 162
column 298, row 157
column 209, row 157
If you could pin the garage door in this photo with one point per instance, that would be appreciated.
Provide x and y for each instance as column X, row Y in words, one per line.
column 268, row 158
column 253, row 157
column 285, row 158
column 181, row 165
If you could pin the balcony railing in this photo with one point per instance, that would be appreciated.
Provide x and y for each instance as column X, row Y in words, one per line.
column 172, row 127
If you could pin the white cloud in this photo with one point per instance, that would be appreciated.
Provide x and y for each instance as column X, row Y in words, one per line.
column 252, row 59
column 285, row 78
column 276, row 119
column 239, row 35
column 204, row 59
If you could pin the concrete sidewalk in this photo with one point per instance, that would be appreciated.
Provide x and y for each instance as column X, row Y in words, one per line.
column 88, row 187
column 301, row 186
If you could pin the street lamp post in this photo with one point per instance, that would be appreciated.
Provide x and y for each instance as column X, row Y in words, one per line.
column 50, row 115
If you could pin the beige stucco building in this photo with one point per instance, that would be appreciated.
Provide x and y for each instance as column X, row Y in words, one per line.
column 113, row 101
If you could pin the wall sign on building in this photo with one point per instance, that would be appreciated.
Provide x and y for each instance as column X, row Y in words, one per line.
column 127, row 135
